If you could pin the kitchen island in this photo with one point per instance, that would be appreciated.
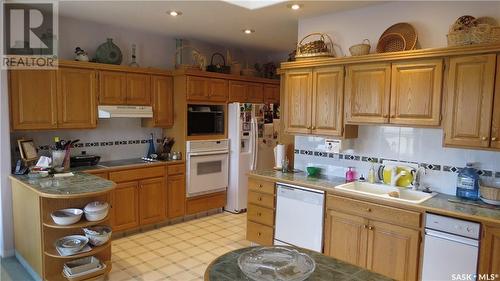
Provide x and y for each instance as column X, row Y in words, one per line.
column 34, row 230
column 225, row 268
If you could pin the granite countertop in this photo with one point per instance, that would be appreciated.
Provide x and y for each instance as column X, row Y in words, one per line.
column 225, row 268
column 438, row 204
column 80, row 184
column 124, row 163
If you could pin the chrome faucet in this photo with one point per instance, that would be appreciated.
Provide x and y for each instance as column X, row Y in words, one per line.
column 395, row 175
column 417, row 178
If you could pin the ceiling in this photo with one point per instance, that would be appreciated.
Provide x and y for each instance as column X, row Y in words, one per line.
column 211, row 21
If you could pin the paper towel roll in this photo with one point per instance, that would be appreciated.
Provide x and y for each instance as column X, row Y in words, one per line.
column 279, row 155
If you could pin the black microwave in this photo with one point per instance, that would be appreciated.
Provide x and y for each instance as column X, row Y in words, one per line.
column 205, row 120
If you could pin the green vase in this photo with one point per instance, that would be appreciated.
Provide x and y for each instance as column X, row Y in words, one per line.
column 109, row 53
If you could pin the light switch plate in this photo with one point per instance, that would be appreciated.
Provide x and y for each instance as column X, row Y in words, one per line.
column 333, row 146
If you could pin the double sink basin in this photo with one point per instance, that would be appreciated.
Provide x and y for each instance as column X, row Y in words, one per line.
column 386, row 192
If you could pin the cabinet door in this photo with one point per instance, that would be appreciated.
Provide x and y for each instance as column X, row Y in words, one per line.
column 33, row 99
column 298, row 92
column 255, row 93
column 346, row 237
column 163, row 101
column 367, row 94
column 393, row 251
column 138, row 89
column 495, row 124
column 152, row 200
column 237, row 91
column 112, row 88
column 125, row 206
column 271, row 93
column 197, row 88
column 176, row 196
column 76, row 98
column 328, row 101
column 218, row 90
column 489, row 260
column 416, row 92
column 469, row 100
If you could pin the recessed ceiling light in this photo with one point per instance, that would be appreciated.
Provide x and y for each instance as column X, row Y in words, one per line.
column 174, row 13
column 248, row 31
column 295, row 6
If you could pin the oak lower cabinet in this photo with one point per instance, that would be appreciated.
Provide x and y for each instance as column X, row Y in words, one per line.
column 314, row 102
column 261, row 211
column 163, row 102
column 76, row 98
column 125, row 206
column 152, row 200
column 355, row 233
column 469, row 101
column 489, row 257
column 176, row 196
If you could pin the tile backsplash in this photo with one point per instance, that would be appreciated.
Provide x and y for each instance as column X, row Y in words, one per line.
column 416, row 145
column 113, row 139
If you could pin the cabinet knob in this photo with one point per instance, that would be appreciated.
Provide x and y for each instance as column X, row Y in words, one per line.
column 259, row 214
column 313, row 128
column 385, row 115
column 309, row 127
column 484, row 138
column 368, row 209
column 393, row 116
column 259, row 234
column 494, row 139
column 371, row 227
column 365, row 226
column 259, row 199
column 260, row 185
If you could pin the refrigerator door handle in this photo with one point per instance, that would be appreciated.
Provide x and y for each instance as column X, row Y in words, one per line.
column 254, row 144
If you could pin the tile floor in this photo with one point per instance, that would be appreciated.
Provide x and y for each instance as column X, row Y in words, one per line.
column 176, row 252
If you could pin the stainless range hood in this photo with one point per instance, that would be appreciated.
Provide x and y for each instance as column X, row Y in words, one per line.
column 131, row 111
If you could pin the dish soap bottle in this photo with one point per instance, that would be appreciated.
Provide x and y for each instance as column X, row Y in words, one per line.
column 371, row 173
column 468, row 183
column 350, row 175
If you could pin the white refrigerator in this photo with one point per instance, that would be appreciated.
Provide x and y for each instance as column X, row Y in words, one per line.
column 251, row 145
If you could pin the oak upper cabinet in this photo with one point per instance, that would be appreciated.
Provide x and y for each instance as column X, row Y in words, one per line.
column 152, row 200
column 328, row 101
column 298, row 92
column 176, row 196
column 125, row 206
column 163, row 102
column 28, row 88
column 138, row 89
column 237, row 91
column 416, row 92
column 197, row 88
column 255, row 93
column 495, row 123
column 469, row 100
column 393, row 251
column 367, row 93
column 489, row 259
column 112, row 87
column 218, row 90
column 271, row 93
column 76, row 98
column 345, row 237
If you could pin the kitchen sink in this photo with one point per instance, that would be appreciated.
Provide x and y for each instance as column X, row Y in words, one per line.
column 382, row 191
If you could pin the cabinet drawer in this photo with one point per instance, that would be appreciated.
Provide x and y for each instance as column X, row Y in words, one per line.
column 261, row 186
column 175, row 169
column 261, row 199
column 137, row 174
column 374, row 211
column 260, row 234
column 260, row 214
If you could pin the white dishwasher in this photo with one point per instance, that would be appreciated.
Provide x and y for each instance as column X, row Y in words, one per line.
column 450, row 248
column 299, row 217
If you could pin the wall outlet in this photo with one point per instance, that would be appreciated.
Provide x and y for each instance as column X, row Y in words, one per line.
column 333, row 146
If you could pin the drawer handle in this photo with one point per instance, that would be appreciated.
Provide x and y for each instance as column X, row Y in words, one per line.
column 371, row 227
column 368, row 209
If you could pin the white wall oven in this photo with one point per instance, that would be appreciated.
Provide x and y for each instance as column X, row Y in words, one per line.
column 207, row 166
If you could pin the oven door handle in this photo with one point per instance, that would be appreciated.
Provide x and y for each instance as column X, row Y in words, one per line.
column 206, row 153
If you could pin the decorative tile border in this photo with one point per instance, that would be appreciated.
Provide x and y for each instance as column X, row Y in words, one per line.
column 432, row 167
column 104, row 143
